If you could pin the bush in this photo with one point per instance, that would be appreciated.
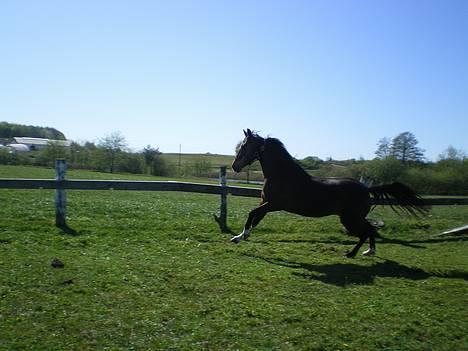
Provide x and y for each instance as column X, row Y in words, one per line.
column 130, row 163
column 14, row 158
column 160, row 167
column 434, row 180
column 201, row 168
column 47, row 156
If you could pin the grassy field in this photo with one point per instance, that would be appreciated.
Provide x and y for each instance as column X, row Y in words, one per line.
column 49, row 173
column 150, row 271
column 214, row 159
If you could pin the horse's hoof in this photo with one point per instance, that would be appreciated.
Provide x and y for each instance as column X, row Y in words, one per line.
column 369, row 252
column 350, row 254
column 235, row 240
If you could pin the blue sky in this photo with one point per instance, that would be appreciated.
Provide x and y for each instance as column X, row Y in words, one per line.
column 329, row 78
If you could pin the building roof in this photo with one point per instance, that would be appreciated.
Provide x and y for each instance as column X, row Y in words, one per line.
column 41, row 141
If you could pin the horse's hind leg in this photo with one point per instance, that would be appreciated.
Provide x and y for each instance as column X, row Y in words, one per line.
column 354, row 251
column 363, row 229
column 371, row 250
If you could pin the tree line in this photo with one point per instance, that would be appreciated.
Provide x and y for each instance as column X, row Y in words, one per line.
column 10, row 130
column 110, row 154
column 396, row 159
column 401, row 159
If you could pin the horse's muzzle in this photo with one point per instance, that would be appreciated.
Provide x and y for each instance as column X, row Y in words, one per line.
column 236, row 168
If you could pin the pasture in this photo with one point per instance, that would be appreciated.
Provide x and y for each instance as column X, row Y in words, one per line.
column 214, row 159
column 150, row 271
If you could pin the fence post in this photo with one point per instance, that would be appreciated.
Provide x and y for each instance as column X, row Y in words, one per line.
column 222, row 219
column 60, row 196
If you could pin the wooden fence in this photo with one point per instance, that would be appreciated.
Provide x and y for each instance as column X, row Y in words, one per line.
column 60, row 184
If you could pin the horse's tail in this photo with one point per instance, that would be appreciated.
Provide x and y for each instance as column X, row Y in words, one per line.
column 401, row 198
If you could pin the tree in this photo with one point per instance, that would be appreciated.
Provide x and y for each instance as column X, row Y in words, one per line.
column 383, row 148
column 384, row 170
column 451, row 153
column 149, row 155
column 112, row 145
column 86, row 155
column 10, row 130
column 130, row 163
column 50, row 153
column 404, row 148
column 160, row 167
column 311, row 162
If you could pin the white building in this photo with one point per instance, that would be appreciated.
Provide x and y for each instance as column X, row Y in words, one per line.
column 18, row 148
column 38, row 143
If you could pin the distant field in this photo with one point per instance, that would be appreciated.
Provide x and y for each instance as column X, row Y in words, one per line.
column 150, row 271
column 216, row 160
column 49, row 173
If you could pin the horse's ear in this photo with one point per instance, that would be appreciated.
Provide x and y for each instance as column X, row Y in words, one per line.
column 249, row 132
column 245, row 133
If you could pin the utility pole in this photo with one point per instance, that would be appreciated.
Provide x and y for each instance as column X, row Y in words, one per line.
column 180, row 156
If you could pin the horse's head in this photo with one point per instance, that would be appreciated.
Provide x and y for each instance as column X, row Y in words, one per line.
column 250, row 150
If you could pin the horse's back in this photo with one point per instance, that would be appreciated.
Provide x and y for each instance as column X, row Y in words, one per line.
column 318, row 197
column 351, row 196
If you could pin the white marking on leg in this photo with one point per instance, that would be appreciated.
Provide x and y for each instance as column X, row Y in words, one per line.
column 369, row 252
column 242, row 236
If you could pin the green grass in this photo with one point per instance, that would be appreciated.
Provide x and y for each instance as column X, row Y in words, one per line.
column 30, row 172
column 49, row 173
column 150, row 271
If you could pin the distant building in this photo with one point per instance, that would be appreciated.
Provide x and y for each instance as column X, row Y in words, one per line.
column 18, row 148
column 36, row 143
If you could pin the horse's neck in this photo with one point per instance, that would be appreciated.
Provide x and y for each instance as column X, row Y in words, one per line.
column 274, row 166
column 268, row 168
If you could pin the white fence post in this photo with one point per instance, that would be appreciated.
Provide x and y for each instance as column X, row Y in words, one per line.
column 60, row 196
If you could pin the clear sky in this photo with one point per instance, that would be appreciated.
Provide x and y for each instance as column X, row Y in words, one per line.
column 329, row 78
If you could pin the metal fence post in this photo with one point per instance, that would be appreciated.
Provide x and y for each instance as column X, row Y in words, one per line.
column 60, row 196
column 222, row 219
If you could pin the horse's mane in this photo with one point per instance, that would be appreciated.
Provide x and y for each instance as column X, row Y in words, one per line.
column 283, row 156
column 279, row 147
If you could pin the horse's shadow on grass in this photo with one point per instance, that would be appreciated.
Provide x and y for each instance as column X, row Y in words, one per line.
column 343, row 274
column 415, row 244
column 67, row 230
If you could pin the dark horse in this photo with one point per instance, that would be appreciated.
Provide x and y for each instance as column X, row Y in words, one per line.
column 290, row 188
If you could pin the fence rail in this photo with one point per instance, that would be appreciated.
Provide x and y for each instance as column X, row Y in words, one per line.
column 169, row 186
column 128, row 185
column 60, row 184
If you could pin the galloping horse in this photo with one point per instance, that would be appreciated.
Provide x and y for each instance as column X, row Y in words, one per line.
column 287, row 186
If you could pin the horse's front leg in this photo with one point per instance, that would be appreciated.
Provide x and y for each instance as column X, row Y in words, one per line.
column 255, row 216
